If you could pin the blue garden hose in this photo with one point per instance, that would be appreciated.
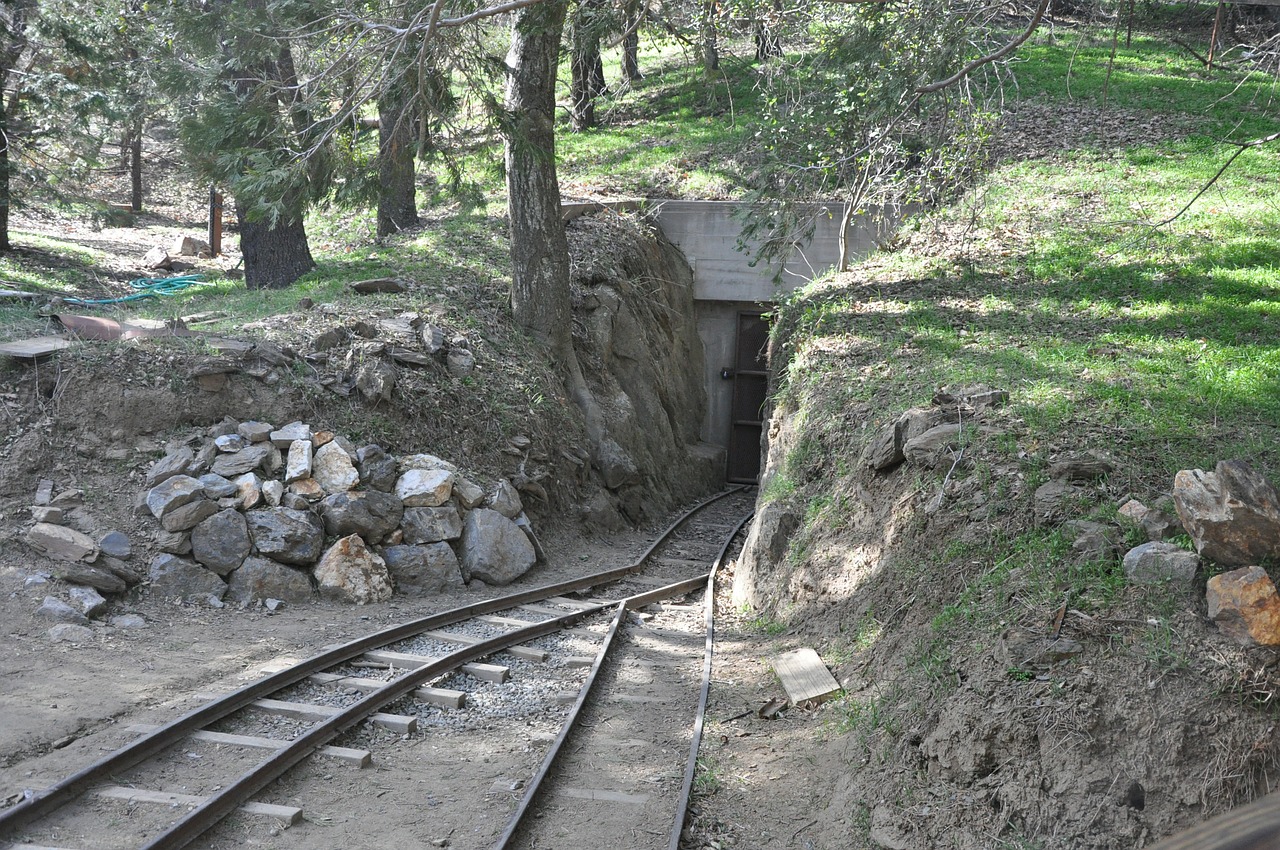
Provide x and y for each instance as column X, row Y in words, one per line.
column 147, row 287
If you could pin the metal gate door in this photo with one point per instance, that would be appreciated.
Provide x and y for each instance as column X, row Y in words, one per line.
column 750, row 389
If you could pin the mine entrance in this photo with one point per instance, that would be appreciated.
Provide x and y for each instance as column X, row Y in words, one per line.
column 750, row 388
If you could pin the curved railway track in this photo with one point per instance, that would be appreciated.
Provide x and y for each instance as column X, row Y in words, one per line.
column 385, row 678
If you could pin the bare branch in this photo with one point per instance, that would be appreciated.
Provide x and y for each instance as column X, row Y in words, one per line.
column 1241, row 148
column 1004, row 51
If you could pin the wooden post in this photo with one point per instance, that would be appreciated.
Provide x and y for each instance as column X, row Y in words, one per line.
column 215, row 221
column 1213, row 38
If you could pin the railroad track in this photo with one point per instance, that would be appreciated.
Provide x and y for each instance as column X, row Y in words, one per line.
column 203, row 776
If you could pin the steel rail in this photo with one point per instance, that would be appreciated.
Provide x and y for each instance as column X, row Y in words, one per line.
column 217, row 807
column 636, row 601
column 691, row 767
column 43, row 802
column 531, row 790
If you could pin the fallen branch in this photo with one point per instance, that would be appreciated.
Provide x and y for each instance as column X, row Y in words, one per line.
column 1241, row 148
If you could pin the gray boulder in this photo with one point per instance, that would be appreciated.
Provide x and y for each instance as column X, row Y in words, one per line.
column 261, row 578
column 61, row 543
column 373, row 515
column 180, row 578
column 221, row 542
column 177, row 462
column 505, row 500
column 116, row 544
column 927, row 447
column 1232, row 513
column 189, row 515
column 422, row 570
column 1156, row 562
column 217, row 487
column 377, row 469
column 128, row 573
column 90, row 602
column 494, row 549
column 60, row 612
column 287, row 535
column 173, row 493
column 174, row 542
column 254, row 432
column 245, row 460
column 70, row 633
column 431, row 525
column 90, row 576
column 425, row 488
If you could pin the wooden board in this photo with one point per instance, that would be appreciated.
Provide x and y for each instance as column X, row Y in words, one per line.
column 34, row 348
column 528, row 653
column 804, row 676
column 289, row 814
column 604, row 796
column 484, row 672
column 358, row 758
column 443, row 697
column 400, row 723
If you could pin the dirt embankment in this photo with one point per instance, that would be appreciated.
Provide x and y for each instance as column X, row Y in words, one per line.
column 930, row 589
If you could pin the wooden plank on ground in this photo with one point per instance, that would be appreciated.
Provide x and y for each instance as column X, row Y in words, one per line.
column 575, row 604
column 400, row 723
column 494, row 620
column 484, row 672
column 804, row 676
column 289, row 814
column 34, row 348
column 16, row 295
column 358, row 758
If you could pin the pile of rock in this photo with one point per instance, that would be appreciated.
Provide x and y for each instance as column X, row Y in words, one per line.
column 260, row 512
column 1232, row 516
column 93, row 569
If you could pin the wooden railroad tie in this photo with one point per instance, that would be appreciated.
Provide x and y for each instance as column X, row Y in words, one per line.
column 289, row 815
column 443, row 697
column 356, row 758
column 484, row 672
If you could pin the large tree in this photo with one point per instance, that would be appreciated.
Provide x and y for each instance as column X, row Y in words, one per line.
column 15, row 18
column 250, row 126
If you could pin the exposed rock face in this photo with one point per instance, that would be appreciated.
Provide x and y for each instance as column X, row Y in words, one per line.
column 287, row 535
column 221, row 542
column 350, row 571
column 1053, row 500
column 431, row 525
column 1156, row 562
column 61, row 543
column 422, row 570
column 372, row 515
column 179, row 578
column 927, row 447
column 494, row 549
column 261, row 578
column 766, row 544
column 1232, row 513
column 217, row 487
column 1245, row 606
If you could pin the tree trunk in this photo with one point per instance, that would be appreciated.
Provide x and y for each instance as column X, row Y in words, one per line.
column 709, row 37
column 585, row 66
column 397, row 199
column 274, row 256
column 135, row 167
column 539, row 250
column 631, row 55
column 768, row 38
column 13, row 42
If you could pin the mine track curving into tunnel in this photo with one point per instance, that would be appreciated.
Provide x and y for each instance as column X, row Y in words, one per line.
column 589, row 642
